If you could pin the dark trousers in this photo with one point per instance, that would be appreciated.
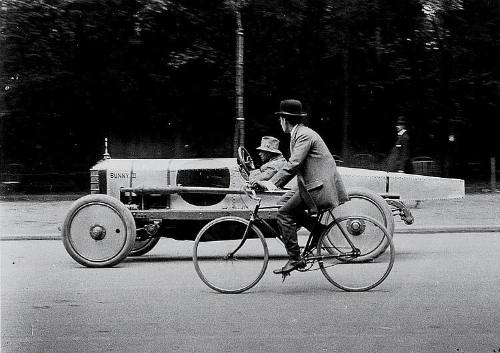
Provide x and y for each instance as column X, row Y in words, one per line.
column 291, row 216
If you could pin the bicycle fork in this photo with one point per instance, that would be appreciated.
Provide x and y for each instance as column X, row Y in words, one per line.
column 245, row 235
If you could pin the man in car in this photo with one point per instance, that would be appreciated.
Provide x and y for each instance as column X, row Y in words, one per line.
column 271, row 157
column 319, row 185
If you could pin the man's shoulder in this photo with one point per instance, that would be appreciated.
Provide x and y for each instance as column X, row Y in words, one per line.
column 309, row 133
column 305, row 130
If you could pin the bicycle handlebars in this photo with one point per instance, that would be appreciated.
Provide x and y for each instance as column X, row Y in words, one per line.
column 250, row 192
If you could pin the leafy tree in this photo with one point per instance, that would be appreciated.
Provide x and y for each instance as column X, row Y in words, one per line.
column 158, row 77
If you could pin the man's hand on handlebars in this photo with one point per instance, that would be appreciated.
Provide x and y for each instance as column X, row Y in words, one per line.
column 263, row 185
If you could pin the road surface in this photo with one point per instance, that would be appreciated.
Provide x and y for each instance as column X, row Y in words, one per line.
column 442, row 296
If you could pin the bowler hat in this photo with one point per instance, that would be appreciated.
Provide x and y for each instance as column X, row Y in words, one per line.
column 269, row 144
column 291, row 107
column 401, row 120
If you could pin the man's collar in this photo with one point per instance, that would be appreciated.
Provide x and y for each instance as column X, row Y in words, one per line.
column 401, row 132
column 294, row 129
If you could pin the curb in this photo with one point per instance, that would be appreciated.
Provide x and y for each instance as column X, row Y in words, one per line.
column 408, row 230
column 448, row 229
column 30, row 237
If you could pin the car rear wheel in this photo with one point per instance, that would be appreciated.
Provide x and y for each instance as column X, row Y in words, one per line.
column 364, row 202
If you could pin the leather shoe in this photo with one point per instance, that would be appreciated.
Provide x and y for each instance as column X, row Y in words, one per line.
column 290, row 266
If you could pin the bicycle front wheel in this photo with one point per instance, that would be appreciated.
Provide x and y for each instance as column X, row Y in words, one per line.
column 225, row 259
column 346, row 256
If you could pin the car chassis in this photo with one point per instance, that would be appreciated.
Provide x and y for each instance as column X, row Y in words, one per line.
column 135, row 202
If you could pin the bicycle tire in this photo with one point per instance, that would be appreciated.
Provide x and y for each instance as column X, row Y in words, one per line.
column 360, row 272
column 210, row 255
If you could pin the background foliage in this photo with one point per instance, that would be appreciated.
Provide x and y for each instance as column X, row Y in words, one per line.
column 157, row 77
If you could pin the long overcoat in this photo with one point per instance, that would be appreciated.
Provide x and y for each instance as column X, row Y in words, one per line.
column 399, row 159
column 318, row 180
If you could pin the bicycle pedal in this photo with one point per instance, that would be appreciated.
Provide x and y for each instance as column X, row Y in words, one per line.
column 284, row 275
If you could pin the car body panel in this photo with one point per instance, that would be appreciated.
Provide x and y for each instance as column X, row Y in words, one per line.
column 224, row 173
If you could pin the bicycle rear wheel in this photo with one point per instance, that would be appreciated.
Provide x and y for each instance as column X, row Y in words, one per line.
column 355, row 270
column 365, row 202
column 225, row 262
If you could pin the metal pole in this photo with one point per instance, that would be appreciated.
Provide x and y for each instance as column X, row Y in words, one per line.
column 493, row 178
column 239, row 131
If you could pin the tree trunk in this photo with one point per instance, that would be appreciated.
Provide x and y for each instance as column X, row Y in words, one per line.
column 346, row 145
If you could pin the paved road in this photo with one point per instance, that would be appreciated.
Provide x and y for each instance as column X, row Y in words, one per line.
column 442, row 296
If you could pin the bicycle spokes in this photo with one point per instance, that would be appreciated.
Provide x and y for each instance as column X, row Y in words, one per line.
column 350, row 260
column 233, row 263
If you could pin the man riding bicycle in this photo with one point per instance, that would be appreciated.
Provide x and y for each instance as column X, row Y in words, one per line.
column 319, row 185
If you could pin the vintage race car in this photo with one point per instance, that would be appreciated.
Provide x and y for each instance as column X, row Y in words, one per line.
column 135, row 202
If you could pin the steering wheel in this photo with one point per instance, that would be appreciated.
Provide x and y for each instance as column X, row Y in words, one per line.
column 245, row 161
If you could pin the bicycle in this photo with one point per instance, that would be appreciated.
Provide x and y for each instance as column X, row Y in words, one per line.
column 230, row 254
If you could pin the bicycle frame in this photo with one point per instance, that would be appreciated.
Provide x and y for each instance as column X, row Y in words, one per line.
column 255, row 219
column 224, row 268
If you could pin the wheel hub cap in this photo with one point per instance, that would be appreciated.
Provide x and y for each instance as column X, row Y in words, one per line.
column 97, row 232
column 356, row 227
